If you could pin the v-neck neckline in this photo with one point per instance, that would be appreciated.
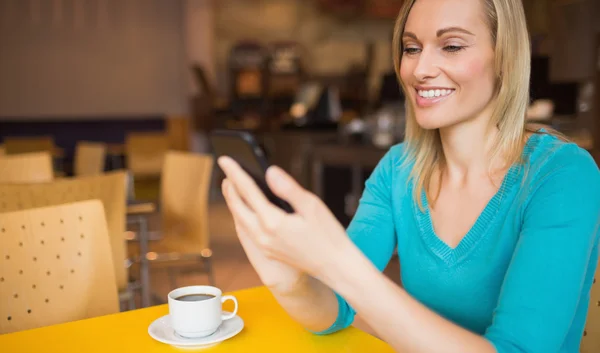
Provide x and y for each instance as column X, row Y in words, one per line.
column 452, row 255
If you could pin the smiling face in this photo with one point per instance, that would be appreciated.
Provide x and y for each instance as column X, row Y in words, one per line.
column 447, row 64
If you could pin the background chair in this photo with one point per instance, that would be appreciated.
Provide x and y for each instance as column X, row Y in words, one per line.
column 89, row 158
column 16, row 145
column 185, row 184
column 108, row 188
column 23, row 144
column 26, row 168
column 590, row 342
column 179, row 133
column 2, row 150
column 57, row 266
column 145, row 152
column 145, row 155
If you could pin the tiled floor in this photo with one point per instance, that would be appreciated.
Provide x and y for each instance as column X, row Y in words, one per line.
column 231, row 266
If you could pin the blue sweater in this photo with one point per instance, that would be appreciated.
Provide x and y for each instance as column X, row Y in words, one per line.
column 522, row 275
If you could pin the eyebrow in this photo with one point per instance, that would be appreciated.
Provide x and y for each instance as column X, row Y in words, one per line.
column 443, row 31
column 440, row 32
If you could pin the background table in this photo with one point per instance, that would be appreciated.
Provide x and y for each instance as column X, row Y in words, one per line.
column 267, row 328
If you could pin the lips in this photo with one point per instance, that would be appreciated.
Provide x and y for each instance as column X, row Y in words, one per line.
column 430, row 96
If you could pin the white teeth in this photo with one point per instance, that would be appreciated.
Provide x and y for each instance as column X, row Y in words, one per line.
column 434, row 93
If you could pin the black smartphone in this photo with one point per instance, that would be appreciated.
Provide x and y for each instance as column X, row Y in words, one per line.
column 242, row 147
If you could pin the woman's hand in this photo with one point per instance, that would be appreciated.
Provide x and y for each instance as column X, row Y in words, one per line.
column 277, row 276
column 309, row 240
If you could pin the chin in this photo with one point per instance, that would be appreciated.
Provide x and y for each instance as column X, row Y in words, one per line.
column 432, row 122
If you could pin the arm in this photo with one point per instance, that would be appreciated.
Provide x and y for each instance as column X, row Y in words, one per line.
column 306, row 299
column 544, row 280
column 557, row 246
column 310, row 303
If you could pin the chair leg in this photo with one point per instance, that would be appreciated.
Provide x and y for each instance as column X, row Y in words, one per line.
column 172, row 278
column 207, row 262
column 127, row 299
column 131, row 304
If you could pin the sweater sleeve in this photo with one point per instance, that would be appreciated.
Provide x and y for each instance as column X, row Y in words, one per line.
column 555, row 257
column 371, row 229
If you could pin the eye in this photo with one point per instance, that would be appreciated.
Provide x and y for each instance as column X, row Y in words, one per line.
column 453, row 48
column 411, row 50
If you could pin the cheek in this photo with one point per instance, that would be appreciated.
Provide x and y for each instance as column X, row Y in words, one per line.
column 405, row 70
column 474, row 72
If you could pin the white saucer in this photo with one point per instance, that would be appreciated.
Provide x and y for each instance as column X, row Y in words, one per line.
column 162, row 331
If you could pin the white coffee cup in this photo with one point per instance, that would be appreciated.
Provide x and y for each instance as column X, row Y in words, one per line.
column 193, row 316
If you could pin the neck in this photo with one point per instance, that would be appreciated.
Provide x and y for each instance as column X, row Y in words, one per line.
column 466, row 149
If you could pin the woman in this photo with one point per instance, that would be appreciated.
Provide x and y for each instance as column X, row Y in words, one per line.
column 496, row 225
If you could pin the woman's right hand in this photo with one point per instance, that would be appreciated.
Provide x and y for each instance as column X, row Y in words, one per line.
column 304, row 298
column 279, row 277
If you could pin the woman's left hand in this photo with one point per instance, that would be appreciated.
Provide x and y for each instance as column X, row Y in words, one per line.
column 310, row 239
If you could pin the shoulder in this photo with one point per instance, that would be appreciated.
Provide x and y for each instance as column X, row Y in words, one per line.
column 549, row 156
column 392, row 164
column 391, row 171
column 561, row 168
column 396, row 156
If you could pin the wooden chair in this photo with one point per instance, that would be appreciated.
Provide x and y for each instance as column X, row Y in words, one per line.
column 26, row 168
column 108, row 188
column 2, row 150
column 145, row 153
column 184, row 225
column 16, row 145
column 19, row 145
column 56, row 266
column 89, row 158
column 178, row 132
column 590, row 343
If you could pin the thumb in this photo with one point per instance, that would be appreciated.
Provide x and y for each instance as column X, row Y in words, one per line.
column 285, row 187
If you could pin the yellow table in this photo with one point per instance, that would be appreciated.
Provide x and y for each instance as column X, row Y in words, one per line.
column 267, row 328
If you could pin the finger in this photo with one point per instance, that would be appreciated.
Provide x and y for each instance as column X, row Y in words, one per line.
column 243, row 216
column 241, row 231
column 285, row 187
column 246, row 187
column 224, row 187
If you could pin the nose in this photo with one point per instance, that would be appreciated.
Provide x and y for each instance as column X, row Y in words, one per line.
column 427, row 65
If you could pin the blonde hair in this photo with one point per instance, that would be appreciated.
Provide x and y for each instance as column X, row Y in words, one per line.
column 508, row 29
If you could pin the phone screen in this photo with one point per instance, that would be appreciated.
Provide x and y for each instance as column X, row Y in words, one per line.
column 238, row 148
column 244, row 149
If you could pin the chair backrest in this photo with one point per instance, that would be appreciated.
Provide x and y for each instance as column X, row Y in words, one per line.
column 33, row 167
column 145, row 153
column 185, row 186
column 56, row 266
column 15, row 145
column 108, row 188
column 178, row 131
column 590, row 343
column 89, row 158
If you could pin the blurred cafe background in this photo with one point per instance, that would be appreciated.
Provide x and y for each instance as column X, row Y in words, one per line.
column 114, row 99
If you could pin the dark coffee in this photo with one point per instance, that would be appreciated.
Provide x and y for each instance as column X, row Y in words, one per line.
column 194, row 297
